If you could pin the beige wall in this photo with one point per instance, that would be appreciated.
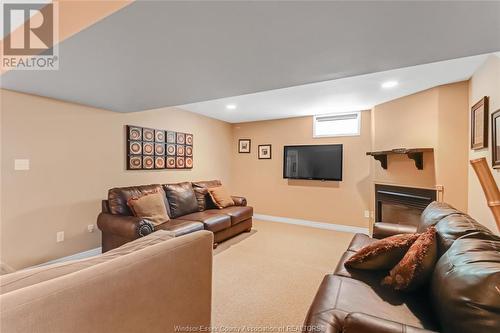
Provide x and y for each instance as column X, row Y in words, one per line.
column 485, row 82
column 77, row 153
column 435, row 118
column 407, row 122
column 262, row 180
column 451, row 151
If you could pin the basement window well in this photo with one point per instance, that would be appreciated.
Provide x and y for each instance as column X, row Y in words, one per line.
column 338, row 124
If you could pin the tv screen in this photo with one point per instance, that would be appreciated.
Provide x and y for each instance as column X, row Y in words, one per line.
column 317, row 162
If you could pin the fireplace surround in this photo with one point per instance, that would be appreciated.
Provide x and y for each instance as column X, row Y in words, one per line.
column 401, row 204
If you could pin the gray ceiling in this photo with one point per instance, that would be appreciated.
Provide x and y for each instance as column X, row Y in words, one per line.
column 162, row 53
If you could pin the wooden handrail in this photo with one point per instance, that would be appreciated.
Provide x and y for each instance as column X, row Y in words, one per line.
column 489, row 186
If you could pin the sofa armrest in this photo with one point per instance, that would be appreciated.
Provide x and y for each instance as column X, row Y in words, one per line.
column 383, row 230
column 357, row 322
column 239, row 201
column 130, row 227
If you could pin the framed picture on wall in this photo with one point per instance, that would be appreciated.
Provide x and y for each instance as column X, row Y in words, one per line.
column 479, row 124
column 495, row 139
column 264, row 152
column 244, row 146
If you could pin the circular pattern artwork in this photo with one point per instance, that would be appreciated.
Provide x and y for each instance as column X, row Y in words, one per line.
column 180, row 162
column 189, row 162
column 171, row 137
column 147, row 148
column 134, row 133
column 159, row 149
column 159, row 162
column 150, row 148
column 180, row 150
column 135, row 162
column 148, row 162
column 171, row 162
column 159, row 136
column 170, row 149
column 135, row 147
column 148, row 134
column 181, row 138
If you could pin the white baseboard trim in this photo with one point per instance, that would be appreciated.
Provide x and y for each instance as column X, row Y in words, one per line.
column 76, row 256
column 313, row 224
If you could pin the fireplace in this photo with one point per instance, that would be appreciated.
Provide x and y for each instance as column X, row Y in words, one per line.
column 401, row 205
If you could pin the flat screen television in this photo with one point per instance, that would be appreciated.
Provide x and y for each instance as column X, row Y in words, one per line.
column 316, row 162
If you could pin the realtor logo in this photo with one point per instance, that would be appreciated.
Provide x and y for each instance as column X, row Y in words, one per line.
column 30, row 45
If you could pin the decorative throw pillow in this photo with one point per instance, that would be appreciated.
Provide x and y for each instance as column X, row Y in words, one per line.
column 383, row 253
column 150, row 206
column 220, row 197
column 417, row 265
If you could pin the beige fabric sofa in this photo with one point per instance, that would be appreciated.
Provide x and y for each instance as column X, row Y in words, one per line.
column 153, row 284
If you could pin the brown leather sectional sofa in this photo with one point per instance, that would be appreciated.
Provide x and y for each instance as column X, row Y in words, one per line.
column 462, row 296
column 188, row 211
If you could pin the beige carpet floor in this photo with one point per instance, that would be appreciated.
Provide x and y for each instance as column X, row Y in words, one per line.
column 267, row 279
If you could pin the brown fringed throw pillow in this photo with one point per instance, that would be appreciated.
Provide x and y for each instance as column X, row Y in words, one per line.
column 417, row 264
column 382, row 254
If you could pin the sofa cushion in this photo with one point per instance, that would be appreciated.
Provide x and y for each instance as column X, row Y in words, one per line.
column 384, row 229
column 181, row 227
column 455, row 226
column 28, row 277
column 220, row 197
column 465, row 286
column 150, row 206
column 209, row 204
column 201, row 194
column 237, row 213
column 181, row 198
column 433, row 213
column 383, row 253
column 212, row 222
column 338, row 296
column 417, row 265
column 207, row 183
column 118, row 197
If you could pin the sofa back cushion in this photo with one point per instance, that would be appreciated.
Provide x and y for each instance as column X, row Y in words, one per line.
column 208, row 183
column 204, row 199
column 181, row 198
column 119, row 196
column 433, row 213
column 28, row 277
column 454, row 226
column 465, row 286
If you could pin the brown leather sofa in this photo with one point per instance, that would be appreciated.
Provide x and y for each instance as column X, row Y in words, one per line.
column 189, row 211
column 462, row 296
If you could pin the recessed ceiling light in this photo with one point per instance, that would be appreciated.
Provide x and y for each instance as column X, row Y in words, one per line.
column 389, row 84
column 231, row 106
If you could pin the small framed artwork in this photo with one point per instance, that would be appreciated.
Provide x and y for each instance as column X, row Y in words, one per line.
column 479, row 124
column 495, row 139
column 264, row 152
column 244, row 146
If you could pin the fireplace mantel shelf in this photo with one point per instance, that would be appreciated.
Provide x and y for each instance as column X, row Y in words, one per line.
column 416, row 154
